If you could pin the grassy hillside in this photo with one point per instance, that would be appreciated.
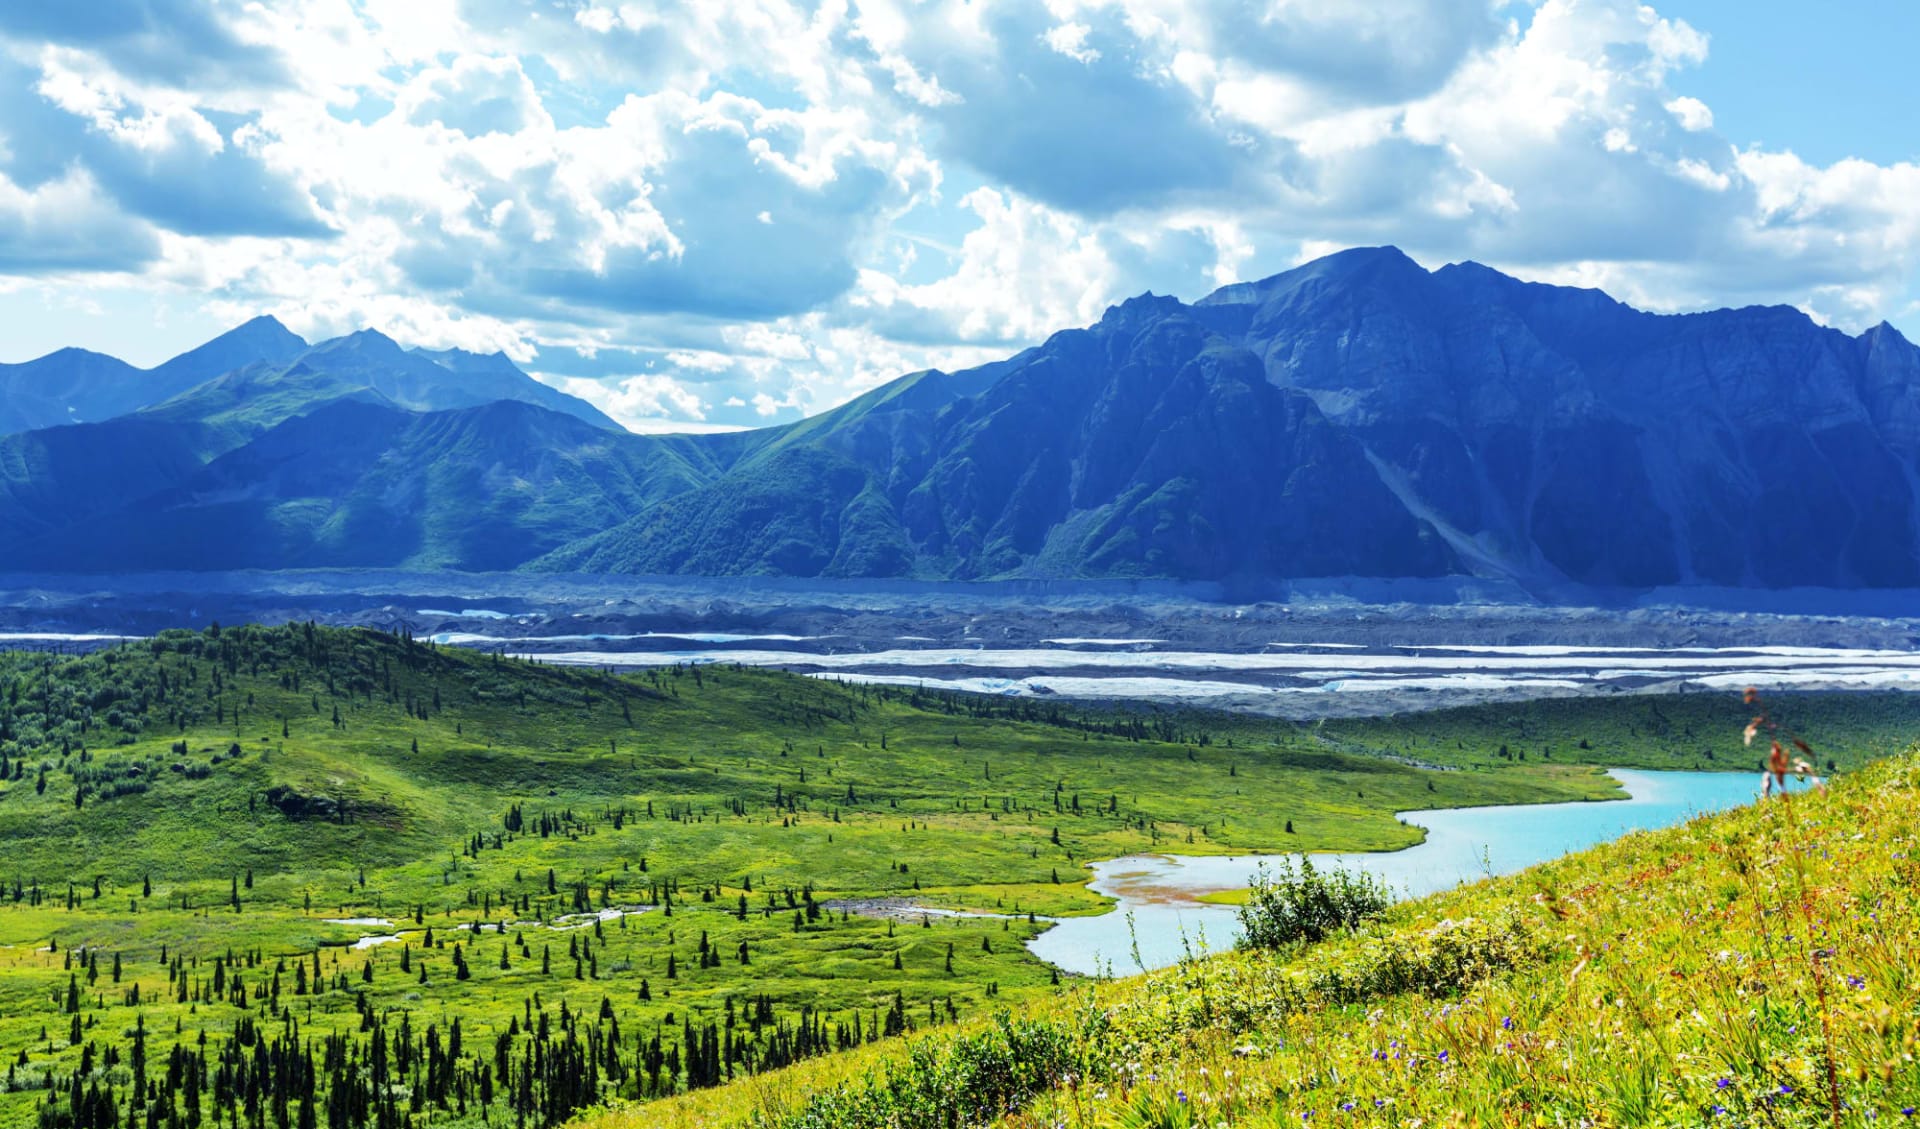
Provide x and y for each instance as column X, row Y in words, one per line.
column 1632, row 731
column 1750, row 969
column 300, row 875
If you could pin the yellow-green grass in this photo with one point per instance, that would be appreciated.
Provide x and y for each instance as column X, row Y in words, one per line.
column 1756, row 968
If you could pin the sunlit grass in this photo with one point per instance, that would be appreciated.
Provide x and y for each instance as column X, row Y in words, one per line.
column 1755, row 968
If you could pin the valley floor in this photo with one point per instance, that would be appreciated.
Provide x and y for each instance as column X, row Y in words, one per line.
column 302, row 875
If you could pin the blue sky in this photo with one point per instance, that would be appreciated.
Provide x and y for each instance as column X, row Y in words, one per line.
column 1828, row 81
column 704, row 215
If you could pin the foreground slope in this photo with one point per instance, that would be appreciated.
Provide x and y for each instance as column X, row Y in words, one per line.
column 1754, row 968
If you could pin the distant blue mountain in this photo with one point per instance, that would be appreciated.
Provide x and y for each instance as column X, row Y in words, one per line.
column 1358, row 416
column 78, row 386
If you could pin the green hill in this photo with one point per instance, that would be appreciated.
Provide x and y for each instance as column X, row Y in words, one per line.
column 580, row 887
column 1750, row 969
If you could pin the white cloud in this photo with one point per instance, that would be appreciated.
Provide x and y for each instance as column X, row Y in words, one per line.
column 644, row 403
column 1692, row 113
column 67, row 224
column 722, row 214
column 1070, row 39
column 475, row 94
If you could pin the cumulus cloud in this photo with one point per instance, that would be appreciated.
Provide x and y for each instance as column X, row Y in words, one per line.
column 645, row 403
column 68, row 224
column 1085, row 116
column 476, row 95
column 712, row 215
column 179, row 42
column 1692, row 113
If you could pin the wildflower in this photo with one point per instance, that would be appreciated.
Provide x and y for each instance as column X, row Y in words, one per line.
column 1180, row 1096
column 1443, row 1056
column 1856, row 983
column 1507, row 1023
column 1346, row 1107
column 1724, row 1084
column 1719, row 1111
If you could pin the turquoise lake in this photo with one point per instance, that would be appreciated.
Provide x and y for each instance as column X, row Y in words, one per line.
column 1462, row 845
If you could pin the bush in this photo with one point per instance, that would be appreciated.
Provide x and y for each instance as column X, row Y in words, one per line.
column 950, row 1083
column 1306, row 905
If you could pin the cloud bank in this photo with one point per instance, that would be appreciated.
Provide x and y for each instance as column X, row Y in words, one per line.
column 702, row 216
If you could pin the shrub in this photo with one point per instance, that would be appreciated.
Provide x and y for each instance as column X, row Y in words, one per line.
column 1307, row 905
column 970, row 1080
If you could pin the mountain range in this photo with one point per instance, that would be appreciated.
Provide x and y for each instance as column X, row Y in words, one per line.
column 1357, row 416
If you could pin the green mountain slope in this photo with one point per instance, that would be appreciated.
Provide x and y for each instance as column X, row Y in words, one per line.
column 361, row 482
column 56, row 480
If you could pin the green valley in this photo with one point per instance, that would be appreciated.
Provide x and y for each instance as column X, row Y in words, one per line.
column 302, row 875
column 344, row 875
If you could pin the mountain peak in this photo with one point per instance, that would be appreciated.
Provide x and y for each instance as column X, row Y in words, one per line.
column 1353, row 265
column 1139, row 309
column 466, row 361
column 265, row 331
column 368, row 343
column 260, row 323
column 1885, row 331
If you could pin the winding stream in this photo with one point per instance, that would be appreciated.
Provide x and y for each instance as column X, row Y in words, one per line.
column 1462, row 845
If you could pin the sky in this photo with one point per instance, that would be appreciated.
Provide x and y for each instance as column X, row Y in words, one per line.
column 732, row 213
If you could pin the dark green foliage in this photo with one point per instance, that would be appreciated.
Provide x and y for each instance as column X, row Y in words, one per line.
column 1291, row 905
column 965, row 1080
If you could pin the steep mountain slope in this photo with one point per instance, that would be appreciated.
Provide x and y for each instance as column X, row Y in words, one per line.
column 1356, row 416
column 493, row 376
column 1144, row 446
column 1557, row 430
column 427, row 382
column 58, row 477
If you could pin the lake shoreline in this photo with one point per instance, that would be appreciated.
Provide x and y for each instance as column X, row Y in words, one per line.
column 1158, row 898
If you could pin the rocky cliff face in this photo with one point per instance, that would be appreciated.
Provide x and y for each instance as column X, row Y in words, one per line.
column 1554, row 432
